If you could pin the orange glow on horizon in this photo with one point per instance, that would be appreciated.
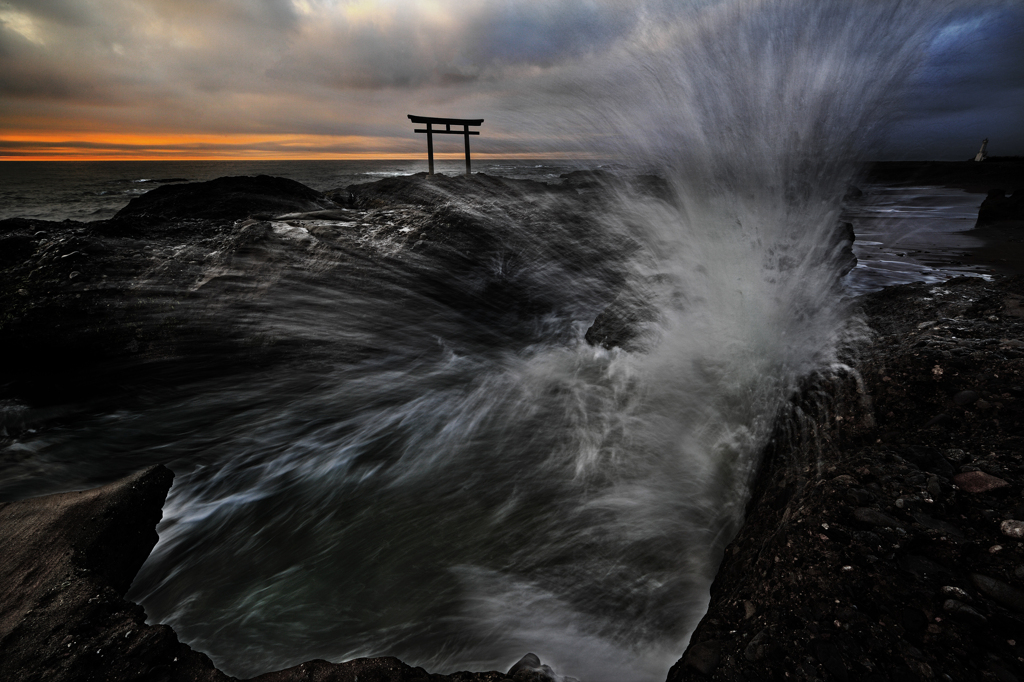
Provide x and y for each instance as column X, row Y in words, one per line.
column 234, row 147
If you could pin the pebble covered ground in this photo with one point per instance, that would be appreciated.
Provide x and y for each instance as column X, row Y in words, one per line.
column 884, row 535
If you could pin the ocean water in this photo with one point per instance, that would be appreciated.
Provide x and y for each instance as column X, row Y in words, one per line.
column 464, row 497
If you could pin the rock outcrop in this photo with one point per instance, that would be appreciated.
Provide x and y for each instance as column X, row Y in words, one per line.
column 168, row 290
column 1001, row 209
column 68, row 560
column 230, row 198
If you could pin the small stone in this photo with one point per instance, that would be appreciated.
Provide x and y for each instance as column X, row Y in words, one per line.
column 964, row 398
column 955, row 593
column 978, row 482
column 995, row 549
column 937, row 524
column 962, row 611
column 956, row 455
column 875, row 518
column 921, row 567
column 755, row 649
column 1012, row 528
column 859, row 497
column 1009, row 597
column 933, row 487
column 74, row 274
column 749, row 610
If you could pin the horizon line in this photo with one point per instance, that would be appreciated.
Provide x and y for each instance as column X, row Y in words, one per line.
column 446, row 156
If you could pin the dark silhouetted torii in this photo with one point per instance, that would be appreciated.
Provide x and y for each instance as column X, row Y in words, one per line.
column 447, row 123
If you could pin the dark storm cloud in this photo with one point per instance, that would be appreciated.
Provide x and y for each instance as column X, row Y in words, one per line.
column 422, row 46
column 970, row 87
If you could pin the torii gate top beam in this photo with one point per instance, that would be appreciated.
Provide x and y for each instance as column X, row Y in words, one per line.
column 446, row 121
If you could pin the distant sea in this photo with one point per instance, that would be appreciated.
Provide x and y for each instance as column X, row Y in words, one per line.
column 96, row 190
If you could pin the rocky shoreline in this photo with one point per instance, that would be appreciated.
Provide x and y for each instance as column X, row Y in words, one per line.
column 883, row 538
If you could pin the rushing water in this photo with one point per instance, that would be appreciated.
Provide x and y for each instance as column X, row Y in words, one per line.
column 464, row 498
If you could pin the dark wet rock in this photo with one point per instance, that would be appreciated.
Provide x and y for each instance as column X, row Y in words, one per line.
column 160, row 300
column 831, row 659
column 702, row 657
column 873, row 517
column 937, row 524
column 960, row 610
column 15, row 247
column 623, row 322
column 1008, row 596
column 842, row 244
column 68, row 560
column 587, row 179
column 755, row 650
column 964, row 398
column 922, row 567
column 860, row 496
column 978, row 482
column 999, row 208
column 230, row 198
column 437, row 190
column 530, row 669
column 528, row 662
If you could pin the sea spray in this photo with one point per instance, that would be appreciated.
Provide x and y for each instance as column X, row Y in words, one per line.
column 438, row 489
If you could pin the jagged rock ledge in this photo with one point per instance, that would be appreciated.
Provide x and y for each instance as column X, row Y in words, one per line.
column 883, row 536
column 68, row 560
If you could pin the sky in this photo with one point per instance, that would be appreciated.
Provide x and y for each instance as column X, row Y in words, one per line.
column 273, row 79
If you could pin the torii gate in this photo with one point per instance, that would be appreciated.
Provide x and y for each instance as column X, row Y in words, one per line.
column 447, row 123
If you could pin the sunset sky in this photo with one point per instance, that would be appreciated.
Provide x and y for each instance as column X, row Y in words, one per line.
column 335, row 79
